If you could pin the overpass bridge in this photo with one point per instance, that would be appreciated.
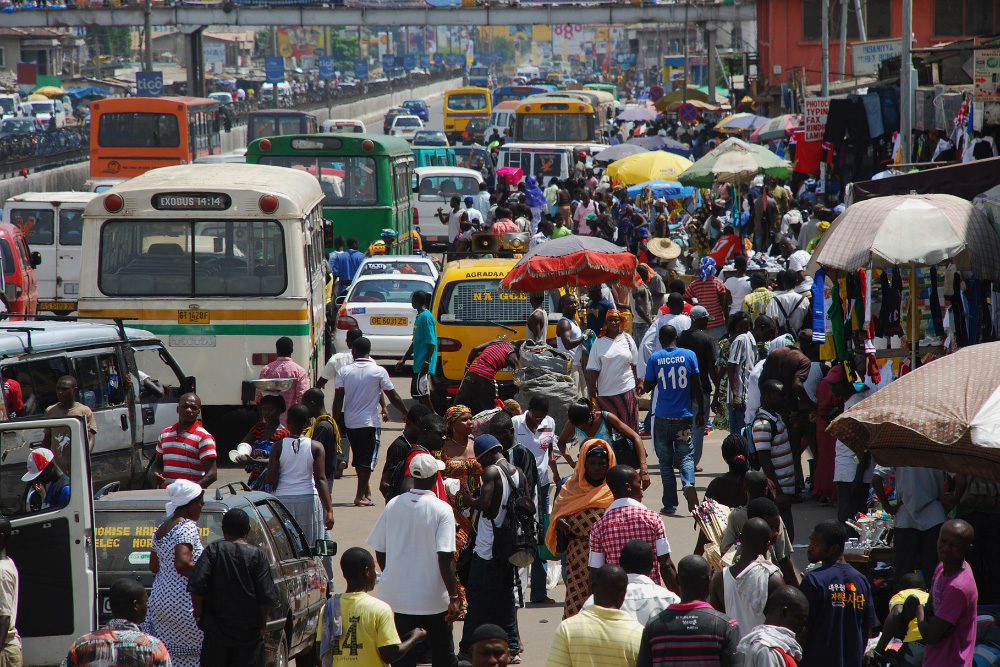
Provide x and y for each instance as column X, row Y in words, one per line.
column 190, row 18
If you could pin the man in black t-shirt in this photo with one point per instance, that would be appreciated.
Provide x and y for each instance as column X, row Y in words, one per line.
column 690, row 630
column 323, row 430
column 698, row 340
column 400, row 449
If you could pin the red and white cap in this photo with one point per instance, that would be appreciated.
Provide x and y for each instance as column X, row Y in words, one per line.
column 38, row 460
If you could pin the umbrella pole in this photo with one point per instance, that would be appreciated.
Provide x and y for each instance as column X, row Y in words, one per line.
column 914, row 323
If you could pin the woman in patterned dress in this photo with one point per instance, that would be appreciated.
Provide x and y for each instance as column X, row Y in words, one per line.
column 176, row 547
column 460, row 464
column 580, row 503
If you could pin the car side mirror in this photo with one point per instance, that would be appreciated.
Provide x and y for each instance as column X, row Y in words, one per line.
column 341, row 299
column 36, row 259
column 188, row 385
column 325, row 548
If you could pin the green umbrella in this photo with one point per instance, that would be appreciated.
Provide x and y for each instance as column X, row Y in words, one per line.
column 749, row 160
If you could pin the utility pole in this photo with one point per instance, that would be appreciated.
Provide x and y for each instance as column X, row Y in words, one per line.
column 862, row 31
column 825, row 48
column 906, row 75
column 687, row 34
column 148, row 28
column 843, row 40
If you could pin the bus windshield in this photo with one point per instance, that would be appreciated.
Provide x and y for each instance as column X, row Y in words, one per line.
column 482, row 302
column 138, row 129
column 192, row 257
column 347, row 181
column 555, row 128
column 468, row 102
column 271, row 126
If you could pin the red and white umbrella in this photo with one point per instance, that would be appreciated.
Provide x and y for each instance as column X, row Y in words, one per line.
column 570, row 261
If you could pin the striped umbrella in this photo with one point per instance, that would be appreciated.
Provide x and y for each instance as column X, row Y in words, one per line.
column 740, row 122
column 777, row 128
column 569, row 261
column 945, row 414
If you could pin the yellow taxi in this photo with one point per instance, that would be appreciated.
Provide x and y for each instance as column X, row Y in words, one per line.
column 471, row 309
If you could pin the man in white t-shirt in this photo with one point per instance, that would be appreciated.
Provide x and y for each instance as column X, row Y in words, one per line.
column 452, row 218
column 338, row 360
column 675, row 317
column 414, row 543
column 356, row 409
column 475, row 215
column 738, row 285
column 535, row 430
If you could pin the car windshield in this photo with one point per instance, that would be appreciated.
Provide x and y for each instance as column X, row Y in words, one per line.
column 443, row 187
column 403, row 121
column 482, row 302
column 387, row 290
column 124, row 539
column 17, row 125
column 401, row 266
column 6, row 105
column 41, row 107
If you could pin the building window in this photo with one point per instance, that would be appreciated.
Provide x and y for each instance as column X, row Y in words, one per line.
column 877, row 17
column 3, row 57
column 955, row 18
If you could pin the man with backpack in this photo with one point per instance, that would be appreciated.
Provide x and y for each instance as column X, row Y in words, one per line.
column 399, row 451
column 489, row 590
column 788, row 308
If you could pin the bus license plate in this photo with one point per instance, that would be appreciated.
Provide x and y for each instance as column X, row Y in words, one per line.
column 194, row 316
column 389, row 321
column 57, row 306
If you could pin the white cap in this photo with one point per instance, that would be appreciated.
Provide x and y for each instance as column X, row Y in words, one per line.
column 423, row 466
column 798, row 260
column 38, row 460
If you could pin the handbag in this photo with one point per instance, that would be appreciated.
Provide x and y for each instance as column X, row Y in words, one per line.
column 624, row 447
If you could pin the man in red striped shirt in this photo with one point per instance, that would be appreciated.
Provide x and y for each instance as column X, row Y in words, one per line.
column 478, row 390
column 186, row 450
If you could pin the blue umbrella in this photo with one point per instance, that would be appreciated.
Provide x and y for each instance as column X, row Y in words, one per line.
column 663, row 190
column 658, row 143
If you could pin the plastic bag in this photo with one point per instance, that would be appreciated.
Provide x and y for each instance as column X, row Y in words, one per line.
column 559, row 388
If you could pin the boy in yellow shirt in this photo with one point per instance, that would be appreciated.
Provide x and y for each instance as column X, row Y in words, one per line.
column 368, row 635
column 909, row 584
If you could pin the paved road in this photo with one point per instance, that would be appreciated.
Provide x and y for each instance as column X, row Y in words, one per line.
column 538, row 623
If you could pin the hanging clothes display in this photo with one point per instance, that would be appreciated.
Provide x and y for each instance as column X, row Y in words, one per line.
column 836, row 313
column 936, row 315
column 889, row 316
column 873, row 111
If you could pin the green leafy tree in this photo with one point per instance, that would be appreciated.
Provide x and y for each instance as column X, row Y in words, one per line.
column 111, row 40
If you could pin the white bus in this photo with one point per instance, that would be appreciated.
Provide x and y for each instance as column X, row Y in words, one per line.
column 218, row 260
column 52, row 223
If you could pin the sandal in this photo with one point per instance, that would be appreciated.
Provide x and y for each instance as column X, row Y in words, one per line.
column 364, row 503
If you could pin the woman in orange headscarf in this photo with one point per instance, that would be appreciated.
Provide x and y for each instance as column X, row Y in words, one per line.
column 611, row 375
column 580, row 503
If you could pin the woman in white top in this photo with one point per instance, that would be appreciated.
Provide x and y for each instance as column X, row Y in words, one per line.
column 297, row 471
column 611, row 371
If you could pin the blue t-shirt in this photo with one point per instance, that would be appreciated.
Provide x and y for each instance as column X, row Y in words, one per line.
column 346, row 265
column 596, row 311
column 840, row 606
column 63, row 498
column 424, row 332
column 672, row 369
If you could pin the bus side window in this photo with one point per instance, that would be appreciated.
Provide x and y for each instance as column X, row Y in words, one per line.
column 101, row 383
column 158, row 383
column 38, row 382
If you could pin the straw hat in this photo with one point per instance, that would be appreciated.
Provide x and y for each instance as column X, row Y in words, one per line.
column 664, row 248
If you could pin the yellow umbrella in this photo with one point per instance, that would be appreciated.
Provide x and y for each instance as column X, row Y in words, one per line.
column 50, row 91
column 651, row 166
column 740, row 122
column 34, row 97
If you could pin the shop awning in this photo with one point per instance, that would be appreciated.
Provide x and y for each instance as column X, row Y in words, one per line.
column 962, row 180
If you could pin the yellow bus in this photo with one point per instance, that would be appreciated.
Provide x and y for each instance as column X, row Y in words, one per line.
column 542, row 119
column 462, row 105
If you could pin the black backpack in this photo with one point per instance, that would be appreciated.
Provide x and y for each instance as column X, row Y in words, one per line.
column 399, row 473
column 785, row 327
column 516, row 539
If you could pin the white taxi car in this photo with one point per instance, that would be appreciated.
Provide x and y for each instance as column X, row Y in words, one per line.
column 407, row 265
column 379, row 304
column 405, row 127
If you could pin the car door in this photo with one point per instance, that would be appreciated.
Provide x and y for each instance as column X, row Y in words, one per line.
column 37, row 222
column 160, row 385
column 105, row 389
column 53, row 549
column 68, row 254
column 305, row 582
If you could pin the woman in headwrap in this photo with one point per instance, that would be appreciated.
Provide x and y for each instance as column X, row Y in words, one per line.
column 460, row 465
column 831, row 392
column 580, row 503
column 821, row 228
column 611, row 371
column 481, row 421
column 535, row 199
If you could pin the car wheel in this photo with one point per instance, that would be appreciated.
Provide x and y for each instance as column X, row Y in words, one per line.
column 281, row 652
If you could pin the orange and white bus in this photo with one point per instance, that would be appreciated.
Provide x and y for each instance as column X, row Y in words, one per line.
column 131, row 135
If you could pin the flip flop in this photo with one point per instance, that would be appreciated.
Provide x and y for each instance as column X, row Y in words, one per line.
column 364, row 503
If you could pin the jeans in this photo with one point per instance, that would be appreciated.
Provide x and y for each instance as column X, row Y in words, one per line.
column 539, row 589
column 737, row 418
column 439, row 635
column 908, row 543
column 698, row 432
column 850, row 503
column 760, row 243
column 672, row 438
column 639, row 329
column 490, row 596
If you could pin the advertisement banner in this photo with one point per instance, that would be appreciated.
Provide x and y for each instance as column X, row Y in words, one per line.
column 425, row 61
column 388, row 61
column 409, row 62
column 986, row 74
column 214, row 52
column 568, row 39
column 816, row 109
column 326, row 68
column 274, row 69
column 361, row 69
column 149, row 84
column 300, row 41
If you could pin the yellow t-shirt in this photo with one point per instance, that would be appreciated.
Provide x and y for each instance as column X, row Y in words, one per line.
column 912, row 633
column 368, row 624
